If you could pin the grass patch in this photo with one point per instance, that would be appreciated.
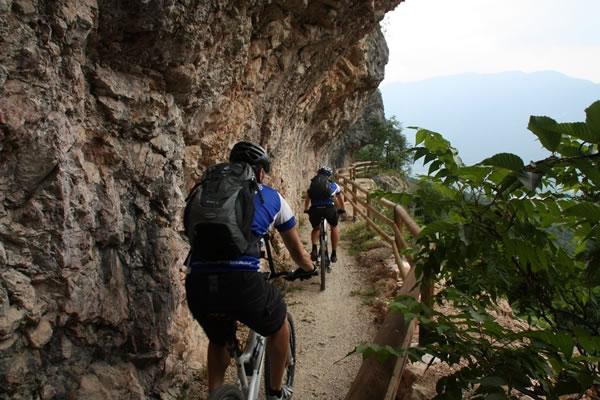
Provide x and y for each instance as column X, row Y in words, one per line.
column 361, row 238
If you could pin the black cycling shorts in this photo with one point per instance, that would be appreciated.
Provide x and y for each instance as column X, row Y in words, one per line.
column 329, row 212
column 218, row 300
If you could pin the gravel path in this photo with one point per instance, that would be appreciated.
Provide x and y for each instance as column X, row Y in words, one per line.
column 329, row 325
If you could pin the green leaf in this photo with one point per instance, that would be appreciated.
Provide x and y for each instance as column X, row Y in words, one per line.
column 590, row 170
column 505, row 160
column 435, row 227
column 590, row 344
column 592, row 120
column 381, row 353
column 420, row 136
column 420, row 152
column 434, row 167
column 498, row 175
column 563, row 342
column 475, row 173
column 567, row 385
column 429, row 157
column 493, row 328
column 545, row 129
column 588, row 211
column 477, row 316
column 579, row 130
column 432, row 140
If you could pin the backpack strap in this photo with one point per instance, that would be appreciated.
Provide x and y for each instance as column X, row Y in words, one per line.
column 267, row 239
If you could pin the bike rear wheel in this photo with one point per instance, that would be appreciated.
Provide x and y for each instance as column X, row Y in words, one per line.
column 288, row 377
column 226, row 392
column 323, row 254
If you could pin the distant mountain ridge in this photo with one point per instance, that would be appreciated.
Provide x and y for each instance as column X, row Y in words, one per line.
column 485, row 114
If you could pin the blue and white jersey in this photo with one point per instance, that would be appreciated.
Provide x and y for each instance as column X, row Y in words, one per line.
column 333, row 190
column 270, row 211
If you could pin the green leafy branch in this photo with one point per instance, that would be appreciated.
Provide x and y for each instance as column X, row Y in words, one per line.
column 528, row 235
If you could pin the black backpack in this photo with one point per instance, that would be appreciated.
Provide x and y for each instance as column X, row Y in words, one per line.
column 219, row 211
column 319, row 188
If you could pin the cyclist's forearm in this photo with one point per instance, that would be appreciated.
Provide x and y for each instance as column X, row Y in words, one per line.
column 302, row 258
column 339, row 203
column 292, row 242
column 306, row 202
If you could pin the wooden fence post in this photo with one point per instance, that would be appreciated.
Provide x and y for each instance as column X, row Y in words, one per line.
column 355, row 198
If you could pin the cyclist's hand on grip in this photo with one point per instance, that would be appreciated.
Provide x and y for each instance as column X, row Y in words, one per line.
column 301, row 274
column 341, row 211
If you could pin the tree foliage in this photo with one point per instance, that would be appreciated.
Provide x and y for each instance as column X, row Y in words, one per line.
column 502, row 232
column 387, row 145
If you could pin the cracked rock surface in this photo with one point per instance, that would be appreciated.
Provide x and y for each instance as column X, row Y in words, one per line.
column 109, row 112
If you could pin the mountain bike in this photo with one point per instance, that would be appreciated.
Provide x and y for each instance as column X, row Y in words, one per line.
column 323, row 260
column 252, row 361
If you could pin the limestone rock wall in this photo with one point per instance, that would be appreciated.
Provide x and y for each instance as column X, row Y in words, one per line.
column 109, row 111
column 357, row 135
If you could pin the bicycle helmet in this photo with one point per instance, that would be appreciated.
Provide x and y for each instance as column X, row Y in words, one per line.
column 325, row 170
column 250, row 153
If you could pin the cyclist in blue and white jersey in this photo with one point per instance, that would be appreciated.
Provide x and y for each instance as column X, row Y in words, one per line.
column 219, row 293
column 324, row 200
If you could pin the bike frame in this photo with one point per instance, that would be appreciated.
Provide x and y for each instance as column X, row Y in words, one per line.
column 255, row 348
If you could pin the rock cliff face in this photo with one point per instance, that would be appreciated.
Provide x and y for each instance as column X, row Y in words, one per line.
column 109, row 111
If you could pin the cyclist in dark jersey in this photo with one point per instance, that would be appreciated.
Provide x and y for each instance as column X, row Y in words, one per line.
column 221, row 293
column 329, row 208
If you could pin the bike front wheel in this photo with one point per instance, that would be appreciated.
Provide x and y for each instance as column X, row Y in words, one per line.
column 288, row 378
column 226, row 392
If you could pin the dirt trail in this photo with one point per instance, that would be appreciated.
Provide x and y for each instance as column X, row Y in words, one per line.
column 329, row 325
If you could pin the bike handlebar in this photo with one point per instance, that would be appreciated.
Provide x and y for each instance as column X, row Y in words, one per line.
column 293, row 275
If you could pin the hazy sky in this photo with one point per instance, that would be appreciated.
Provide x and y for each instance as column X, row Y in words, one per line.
column 430, row 38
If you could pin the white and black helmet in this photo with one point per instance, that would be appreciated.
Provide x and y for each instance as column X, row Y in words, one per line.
column 250, row 153
column 325, row 170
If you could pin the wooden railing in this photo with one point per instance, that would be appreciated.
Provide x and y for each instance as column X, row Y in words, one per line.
column 377, row 380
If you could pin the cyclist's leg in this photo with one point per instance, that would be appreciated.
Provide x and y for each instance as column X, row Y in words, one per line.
column 315, row 219
column 314, row 235
column 333, row 218
column 277, row 346
column 205, row 298
column 335, row 237
column 218, row 361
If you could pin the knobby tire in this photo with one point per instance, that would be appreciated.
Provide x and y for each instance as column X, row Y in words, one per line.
column 288, row 377
column 226, row 392
column 324, row 260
